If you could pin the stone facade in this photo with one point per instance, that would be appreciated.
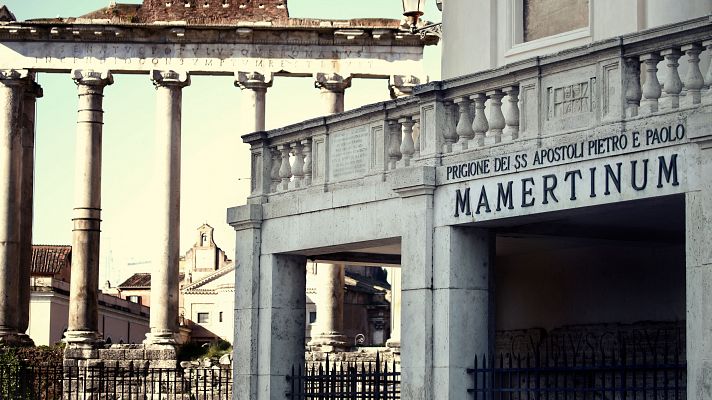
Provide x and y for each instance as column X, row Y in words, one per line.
column 212, row 11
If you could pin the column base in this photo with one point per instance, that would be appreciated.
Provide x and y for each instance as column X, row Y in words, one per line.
column 162, row 337
column 25, row 340
column 329, row 343
column 86, row 339
column 9, row 338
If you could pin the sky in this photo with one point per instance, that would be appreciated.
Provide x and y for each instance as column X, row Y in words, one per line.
column 215, row 162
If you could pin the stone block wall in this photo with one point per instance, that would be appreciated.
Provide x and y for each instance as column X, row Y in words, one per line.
column 212, row 11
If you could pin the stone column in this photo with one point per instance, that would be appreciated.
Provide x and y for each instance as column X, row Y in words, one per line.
column 416, row 186
column 164, row 279
column 270, row 306
column 256, row 86
column 83, row 327
column 698, row 259
column 463, row 315
column 12, row 85
column 329, row 308
column 402, row 85
column 332, row 88
column 33, row 91
column 395, row 281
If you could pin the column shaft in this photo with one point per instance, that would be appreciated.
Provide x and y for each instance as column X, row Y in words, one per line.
column 329, row 308
column 11, row 87
column 254, row 106
column 395, row 281
column 164, row 279
column 332, row 88
column 83, row 327
column 32, row 92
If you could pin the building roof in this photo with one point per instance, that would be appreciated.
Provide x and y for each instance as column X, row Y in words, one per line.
column 202, row 285
column 141, row 280
column 5, row 14
column 49, row 260
column 364, row 284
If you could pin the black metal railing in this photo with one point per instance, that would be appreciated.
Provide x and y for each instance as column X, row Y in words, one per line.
column 617, row 375
column 374, row 380
column 70, row 383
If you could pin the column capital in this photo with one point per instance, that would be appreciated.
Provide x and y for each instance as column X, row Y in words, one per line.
column 33, row 90
column 13, row 76
column 252, row 80
column 331, row 82
column 244, row 217
column 170, row 78
column 91, row 77
column 402, row 85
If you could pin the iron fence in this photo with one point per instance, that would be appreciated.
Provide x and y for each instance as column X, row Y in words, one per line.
column 345, row 381
column 80, row 383
column 617, row 375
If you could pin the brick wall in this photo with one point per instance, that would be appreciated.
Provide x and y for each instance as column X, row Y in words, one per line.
column 212, row 11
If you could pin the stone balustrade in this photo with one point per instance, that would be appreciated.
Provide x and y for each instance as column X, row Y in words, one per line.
column 664, row 70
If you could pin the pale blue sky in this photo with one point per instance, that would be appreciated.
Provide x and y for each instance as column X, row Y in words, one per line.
column 214, row 157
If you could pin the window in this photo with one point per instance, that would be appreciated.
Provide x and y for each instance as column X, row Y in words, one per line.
column 220, row 317
column 203, row 317
column 543, row 18
column 312, row 317
column 134, row 299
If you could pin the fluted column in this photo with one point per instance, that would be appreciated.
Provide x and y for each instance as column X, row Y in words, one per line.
column 32, row 92
column 332, row 88
column 395, row 280
column 164, row 279
column 255, row 86
column 11, row 92
column 329, row 308
column 83, row 324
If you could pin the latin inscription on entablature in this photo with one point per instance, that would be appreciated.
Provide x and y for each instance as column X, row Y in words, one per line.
column 211, row 58
column 349, row 152
column 570, row 99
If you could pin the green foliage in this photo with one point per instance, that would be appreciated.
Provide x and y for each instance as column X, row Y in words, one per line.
column 194, row 351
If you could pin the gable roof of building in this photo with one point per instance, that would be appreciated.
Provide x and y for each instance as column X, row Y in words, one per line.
column 49, row 260
column 5, row 14
column 199, row 285
column 141, row 280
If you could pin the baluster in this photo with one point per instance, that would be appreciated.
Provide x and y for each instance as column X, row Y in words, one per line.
column 708, row 76
column 511, row 117
column 694, row 81
column 480, row 125
column 464, row 124
column 298, row 164
column 306, row 145
column 394, row 153
column 407, row 146
column 276, row 164
column 450, row 133
column 633, row 92
column 285, row 170
column 673, row 84
column 651, row 87
column 416, row 136
column 496, row 120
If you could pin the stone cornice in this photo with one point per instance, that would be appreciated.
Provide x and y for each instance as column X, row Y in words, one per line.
column 413, row 181
column 245, row 217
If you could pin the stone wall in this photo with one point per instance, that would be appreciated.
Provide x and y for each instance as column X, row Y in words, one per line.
column 212, row 11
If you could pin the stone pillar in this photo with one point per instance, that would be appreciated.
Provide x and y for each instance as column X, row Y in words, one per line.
column 12, row 85
column 463, row 315
column 83, row 327
column 416, row 186
column 395, row 280
column 332, row 88
column 270, row 306
column 164, row 279
column 698, row 259
column 256, row 85
column 329, row 308
column 402, row 85
column 33, row 91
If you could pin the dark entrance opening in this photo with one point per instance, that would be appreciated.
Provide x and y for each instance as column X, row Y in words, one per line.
column 590, row 304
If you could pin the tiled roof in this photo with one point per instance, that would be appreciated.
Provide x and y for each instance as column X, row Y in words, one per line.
column 141, row 280
column 49, row 260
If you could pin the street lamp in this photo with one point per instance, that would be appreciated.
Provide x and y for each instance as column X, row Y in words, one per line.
column 413, row 10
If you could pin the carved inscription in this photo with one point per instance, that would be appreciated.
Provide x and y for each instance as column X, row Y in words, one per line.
column 570, row 100
column 348, row 153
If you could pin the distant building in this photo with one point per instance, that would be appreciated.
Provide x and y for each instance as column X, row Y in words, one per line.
column 119, row 320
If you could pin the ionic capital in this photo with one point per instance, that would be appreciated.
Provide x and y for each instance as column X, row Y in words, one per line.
column 402, row 85
column 252, row 80
column 331, row 82
column 170, row 79
column 93, row 78
column 33, row 90
column 13, row 76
